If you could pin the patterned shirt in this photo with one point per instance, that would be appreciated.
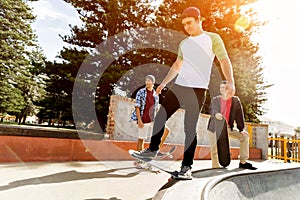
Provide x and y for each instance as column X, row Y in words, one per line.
column 140, row 101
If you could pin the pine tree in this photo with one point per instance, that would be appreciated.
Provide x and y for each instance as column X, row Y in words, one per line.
column 106, row 19
column 235, row 23
column 18, row 56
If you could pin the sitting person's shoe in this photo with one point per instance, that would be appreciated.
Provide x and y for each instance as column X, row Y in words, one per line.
column 147, row 153
column 247, row 165
column 185, row 173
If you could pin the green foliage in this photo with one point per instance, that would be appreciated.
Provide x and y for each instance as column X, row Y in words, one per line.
column 222, row 17
column 297, row 130
column 19, row 55
column 57, row 102
column 105, row 19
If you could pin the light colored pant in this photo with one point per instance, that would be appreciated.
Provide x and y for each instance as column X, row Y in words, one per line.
column 145, row 132
column 235, row 134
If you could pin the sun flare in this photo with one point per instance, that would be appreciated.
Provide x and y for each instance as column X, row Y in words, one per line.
column 278, row 10
column 278, row 46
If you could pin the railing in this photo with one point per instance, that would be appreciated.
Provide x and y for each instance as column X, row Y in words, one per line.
column 284, row 148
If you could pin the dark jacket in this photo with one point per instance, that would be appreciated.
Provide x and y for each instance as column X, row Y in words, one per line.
column 236, row 113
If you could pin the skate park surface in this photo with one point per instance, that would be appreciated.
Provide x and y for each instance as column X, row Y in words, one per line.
column 120, row 180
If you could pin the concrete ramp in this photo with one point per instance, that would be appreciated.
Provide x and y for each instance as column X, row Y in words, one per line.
column 283, row 184
column 271, row 181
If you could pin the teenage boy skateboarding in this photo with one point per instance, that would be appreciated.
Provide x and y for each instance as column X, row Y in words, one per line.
column 192, row 68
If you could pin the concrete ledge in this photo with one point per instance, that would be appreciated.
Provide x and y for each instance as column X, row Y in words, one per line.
column 31, row 144
column 48, row 132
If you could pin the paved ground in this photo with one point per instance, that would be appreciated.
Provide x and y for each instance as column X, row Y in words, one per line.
column 109, row 180
column 113, row 180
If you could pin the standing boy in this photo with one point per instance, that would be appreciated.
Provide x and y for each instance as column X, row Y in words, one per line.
column 146, row 104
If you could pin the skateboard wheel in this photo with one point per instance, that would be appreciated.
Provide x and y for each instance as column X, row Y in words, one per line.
column 135, row 163
column 170, row 179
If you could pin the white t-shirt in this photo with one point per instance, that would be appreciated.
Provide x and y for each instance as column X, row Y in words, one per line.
column 197, row 53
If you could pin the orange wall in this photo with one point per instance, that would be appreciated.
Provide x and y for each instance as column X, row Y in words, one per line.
column 31, row 149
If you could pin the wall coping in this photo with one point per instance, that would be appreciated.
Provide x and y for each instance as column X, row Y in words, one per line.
column 48, row 132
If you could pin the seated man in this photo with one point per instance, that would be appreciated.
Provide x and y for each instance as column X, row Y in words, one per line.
column 231, row 110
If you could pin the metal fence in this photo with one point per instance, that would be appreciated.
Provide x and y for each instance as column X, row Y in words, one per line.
column 284, row 148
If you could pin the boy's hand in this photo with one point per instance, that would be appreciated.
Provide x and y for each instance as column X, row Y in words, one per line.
column 230, row 90
column 219, row 116
column 140, row 124
column 159, row 89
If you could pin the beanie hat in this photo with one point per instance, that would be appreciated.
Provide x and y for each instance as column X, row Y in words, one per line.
column 192, row 12
column 151, row 77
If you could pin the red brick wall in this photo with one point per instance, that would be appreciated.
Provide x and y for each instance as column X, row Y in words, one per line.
column 110, row 126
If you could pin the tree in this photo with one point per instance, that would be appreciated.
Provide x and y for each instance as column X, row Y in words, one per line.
column 57, row 102
column 235, row 22
column 104, row 20
column 297, row 130
column 18, row 52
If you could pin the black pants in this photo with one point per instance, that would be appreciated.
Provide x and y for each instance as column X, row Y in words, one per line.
column 190, row 99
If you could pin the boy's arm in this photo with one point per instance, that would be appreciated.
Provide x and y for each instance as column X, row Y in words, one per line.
column 139, row 118
column 228, row 73
column 174, row 70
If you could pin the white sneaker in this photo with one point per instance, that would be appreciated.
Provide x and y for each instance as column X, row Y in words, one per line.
column 185, row 172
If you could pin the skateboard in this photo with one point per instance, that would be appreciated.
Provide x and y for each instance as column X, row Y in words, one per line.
column 222, row 142
column 159, row 156
column 148, row 166
column 153, row 162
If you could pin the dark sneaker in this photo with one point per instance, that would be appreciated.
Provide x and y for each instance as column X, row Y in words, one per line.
column 185, row 173
column 159, row 154
column 247, row 166
column 147, row 153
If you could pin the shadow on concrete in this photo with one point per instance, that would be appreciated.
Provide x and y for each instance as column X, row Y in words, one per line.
column 70, row 176
column 112, row 198
column 205, row 173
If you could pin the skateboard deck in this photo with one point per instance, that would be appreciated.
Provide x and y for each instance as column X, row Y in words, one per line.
column 148, row 166
column 222, row 142
column 155, row 163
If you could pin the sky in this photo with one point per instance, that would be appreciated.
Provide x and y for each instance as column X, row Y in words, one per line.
column 279, row 41
column 279, row 46
column 53, row 19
